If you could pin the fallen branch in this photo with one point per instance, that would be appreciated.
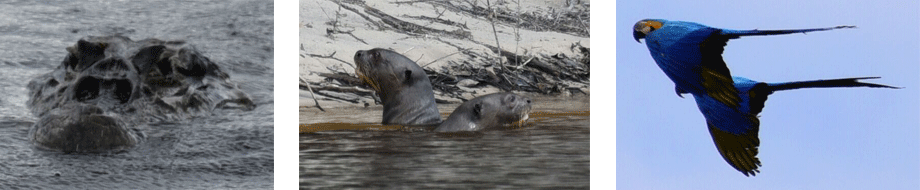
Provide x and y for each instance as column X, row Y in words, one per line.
column 302, row 82
column 495, row 32
column 353, row 89
column 330, row 56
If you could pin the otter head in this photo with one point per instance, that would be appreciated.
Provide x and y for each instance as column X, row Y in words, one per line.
column 403, row 87
column 504, row 109
column 389, row 72
column 488, row 111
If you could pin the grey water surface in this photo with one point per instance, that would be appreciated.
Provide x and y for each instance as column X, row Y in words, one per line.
column 228, row 149
column 550, row 151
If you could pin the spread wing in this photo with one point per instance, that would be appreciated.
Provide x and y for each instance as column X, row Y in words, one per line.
column 692, row 57
column 734, row 131
column 716, row 78
column 739, row 150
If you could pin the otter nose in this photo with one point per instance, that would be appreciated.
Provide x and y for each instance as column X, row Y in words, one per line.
column 527, row 100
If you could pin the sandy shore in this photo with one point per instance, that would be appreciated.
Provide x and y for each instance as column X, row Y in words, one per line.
column 319, row 17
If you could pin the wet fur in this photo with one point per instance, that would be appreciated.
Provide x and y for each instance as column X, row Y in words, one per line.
column 402, row 86
column 492, row 110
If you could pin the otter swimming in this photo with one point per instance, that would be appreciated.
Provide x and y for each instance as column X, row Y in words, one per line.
column 487, row 111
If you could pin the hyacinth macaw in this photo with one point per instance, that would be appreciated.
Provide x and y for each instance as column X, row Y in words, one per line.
column 734, row 128
column 691, row 54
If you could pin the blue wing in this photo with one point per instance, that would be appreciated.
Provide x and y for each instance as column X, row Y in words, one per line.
column 690, row 55
column 734, row 131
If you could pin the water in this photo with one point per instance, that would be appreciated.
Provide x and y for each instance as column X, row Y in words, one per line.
column 550, row 151
column 229, row 149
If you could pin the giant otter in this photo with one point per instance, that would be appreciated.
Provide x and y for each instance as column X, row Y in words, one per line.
column 106, row 85
column 487, row 111
column 402, row 86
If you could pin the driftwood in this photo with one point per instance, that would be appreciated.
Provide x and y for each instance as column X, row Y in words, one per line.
column 573, row 19
column 545, row 74
column 313, row 96
column 352, row 89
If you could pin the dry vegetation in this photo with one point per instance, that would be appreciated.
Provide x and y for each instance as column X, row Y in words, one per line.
column 502, row 66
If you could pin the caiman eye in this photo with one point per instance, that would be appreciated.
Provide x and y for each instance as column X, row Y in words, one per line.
column 87, row 88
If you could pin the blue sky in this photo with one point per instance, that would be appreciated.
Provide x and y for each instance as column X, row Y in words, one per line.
column 839, row 138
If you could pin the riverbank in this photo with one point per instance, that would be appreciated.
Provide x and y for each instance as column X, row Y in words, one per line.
column 545, row 47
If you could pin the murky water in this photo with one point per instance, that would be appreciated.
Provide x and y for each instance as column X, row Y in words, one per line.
column 347, row 148
column 229, row 149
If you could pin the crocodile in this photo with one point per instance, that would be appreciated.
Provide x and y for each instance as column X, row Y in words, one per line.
column 107, row 86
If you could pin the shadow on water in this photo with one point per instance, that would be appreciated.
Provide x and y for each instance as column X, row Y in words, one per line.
column 550, row 150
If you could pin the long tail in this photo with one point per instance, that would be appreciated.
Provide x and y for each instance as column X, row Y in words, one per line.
column 846, row 82
column 739, row 33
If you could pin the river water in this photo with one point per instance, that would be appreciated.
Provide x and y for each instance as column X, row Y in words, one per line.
column 348, row 148
column 229, row 149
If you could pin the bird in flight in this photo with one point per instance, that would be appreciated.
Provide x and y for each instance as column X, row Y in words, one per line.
column 690, row 54
column 734, row 128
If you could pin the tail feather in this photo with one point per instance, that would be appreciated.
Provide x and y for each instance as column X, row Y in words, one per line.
column 831, row 83
column 739, row 33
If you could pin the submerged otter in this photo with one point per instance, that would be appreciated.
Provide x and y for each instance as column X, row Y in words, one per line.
column 492, row 110
column 106, row 85
column 402, row 85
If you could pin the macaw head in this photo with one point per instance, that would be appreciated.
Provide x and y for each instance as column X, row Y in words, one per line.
column 645, row 26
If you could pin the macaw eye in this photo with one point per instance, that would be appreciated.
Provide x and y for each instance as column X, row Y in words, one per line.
column 647, row 26
column 641, row 27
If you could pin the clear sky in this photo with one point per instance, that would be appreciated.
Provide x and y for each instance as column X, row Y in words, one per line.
column 837, row 138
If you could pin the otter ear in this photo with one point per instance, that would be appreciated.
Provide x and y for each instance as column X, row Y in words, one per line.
column 477, row 109
column 375, row 55
column 408, row 77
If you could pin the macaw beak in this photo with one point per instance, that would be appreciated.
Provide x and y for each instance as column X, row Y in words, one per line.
column 679, row 92
column 638, row 35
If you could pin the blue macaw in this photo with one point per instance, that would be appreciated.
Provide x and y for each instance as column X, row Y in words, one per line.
column 691, row 54
column 734, row 128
